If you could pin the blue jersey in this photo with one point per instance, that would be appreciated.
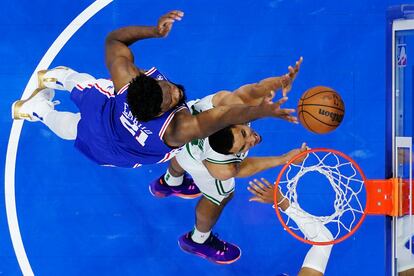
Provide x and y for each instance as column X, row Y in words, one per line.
column 110, row 135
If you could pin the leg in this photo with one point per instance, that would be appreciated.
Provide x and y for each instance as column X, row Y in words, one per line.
column 175, row 169
column 63, row 124
column 207, row 213
column 173, row 183
column 174, row 175
column 38, row 107
column 201, row 242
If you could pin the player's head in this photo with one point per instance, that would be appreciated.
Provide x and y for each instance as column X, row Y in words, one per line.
column 234, row 139
column 149, row 98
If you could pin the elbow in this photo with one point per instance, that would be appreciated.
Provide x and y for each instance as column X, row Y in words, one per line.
column 109, row 37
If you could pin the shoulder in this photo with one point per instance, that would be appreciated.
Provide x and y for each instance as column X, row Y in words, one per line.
column 225, row 97
column 178, row 124
column 123, row 72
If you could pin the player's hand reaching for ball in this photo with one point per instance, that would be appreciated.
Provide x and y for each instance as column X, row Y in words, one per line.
column 166, row 21
column 273, row 109
column 287, row 79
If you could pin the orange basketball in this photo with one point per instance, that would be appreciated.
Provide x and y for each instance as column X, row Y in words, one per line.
column 321, row 109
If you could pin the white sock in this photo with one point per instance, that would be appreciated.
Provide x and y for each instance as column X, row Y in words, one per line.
column 67, row 79
column 173, row 180
column 63, row 124
column 199, row 237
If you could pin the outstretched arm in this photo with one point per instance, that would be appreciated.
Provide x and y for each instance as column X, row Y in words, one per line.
column 185, row 127
column 252, row 94
column 119, row 58
column 252, row 165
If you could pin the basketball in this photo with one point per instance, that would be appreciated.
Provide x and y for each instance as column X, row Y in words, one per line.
column 321, row 109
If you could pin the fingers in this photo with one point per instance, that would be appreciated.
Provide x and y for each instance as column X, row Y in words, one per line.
column 261, row 185
column 175, row 14
column 297, row 64
column 281, row 101
column 290, row 118
column 255, row 188
column 293, row 71
column 270, row 96
column 257, row 199
column 170, row 17
column 303, row 147
column 267, row 183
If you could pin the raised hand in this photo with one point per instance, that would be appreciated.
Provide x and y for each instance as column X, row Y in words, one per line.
column 288, row 78
column 262, row 191
column 166, row 21
column 272, row 109
column 295, row 152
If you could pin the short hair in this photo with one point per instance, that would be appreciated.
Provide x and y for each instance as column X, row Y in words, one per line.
column 144, row 98
column 222, row 140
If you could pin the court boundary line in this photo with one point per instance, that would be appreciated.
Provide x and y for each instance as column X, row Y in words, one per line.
column 12, row 146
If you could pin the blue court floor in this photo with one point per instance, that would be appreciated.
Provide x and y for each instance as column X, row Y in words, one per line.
column 76, row 218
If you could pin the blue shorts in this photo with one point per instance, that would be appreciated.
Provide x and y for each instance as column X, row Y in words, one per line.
column 91, row 98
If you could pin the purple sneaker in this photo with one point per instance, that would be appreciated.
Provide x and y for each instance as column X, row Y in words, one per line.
column 213, row 249
column 187, row 189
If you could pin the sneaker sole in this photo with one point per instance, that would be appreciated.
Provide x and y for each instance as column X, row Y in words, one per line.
column 161, row 195
column 189, row 251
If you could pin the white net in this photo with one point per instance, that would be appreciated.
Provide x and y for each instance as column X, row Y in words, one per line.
column 348, row 203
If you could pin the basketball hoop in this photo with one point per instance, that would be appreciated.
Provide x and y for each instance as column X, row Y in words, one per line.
column 355, row 196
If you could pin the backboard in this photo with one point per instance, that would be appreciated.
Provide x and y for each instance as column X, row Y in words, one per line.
column 400, row 85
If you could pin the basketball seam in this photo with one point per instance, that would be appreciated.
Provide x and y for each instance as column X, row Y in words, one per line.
column 304, row 120
column 324, row 106
column 320, row 120
column 324, row 91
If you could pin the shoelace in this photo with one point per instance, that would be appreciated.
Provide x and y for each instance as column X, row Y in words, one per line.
column 56, row 102
column 216, row 243
column 53, row 103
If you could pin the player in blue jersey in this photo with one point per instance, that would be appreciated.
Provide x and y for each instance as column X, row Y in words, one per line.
column 137, row 118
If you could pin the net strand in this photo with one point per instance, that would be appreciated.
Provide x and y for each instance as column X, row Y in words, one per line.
column 345, row 182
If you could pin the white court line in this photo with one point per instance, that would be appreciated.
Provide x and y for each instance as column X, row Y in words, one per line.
column 9, row 177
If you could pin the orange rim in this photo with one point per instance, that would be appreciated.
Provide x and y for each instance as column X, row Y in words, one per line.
column 279, row 216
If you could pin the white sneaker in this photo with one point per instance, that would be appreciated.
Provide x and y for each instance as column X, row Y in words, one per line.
column 50, row 78
column 36, row 107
